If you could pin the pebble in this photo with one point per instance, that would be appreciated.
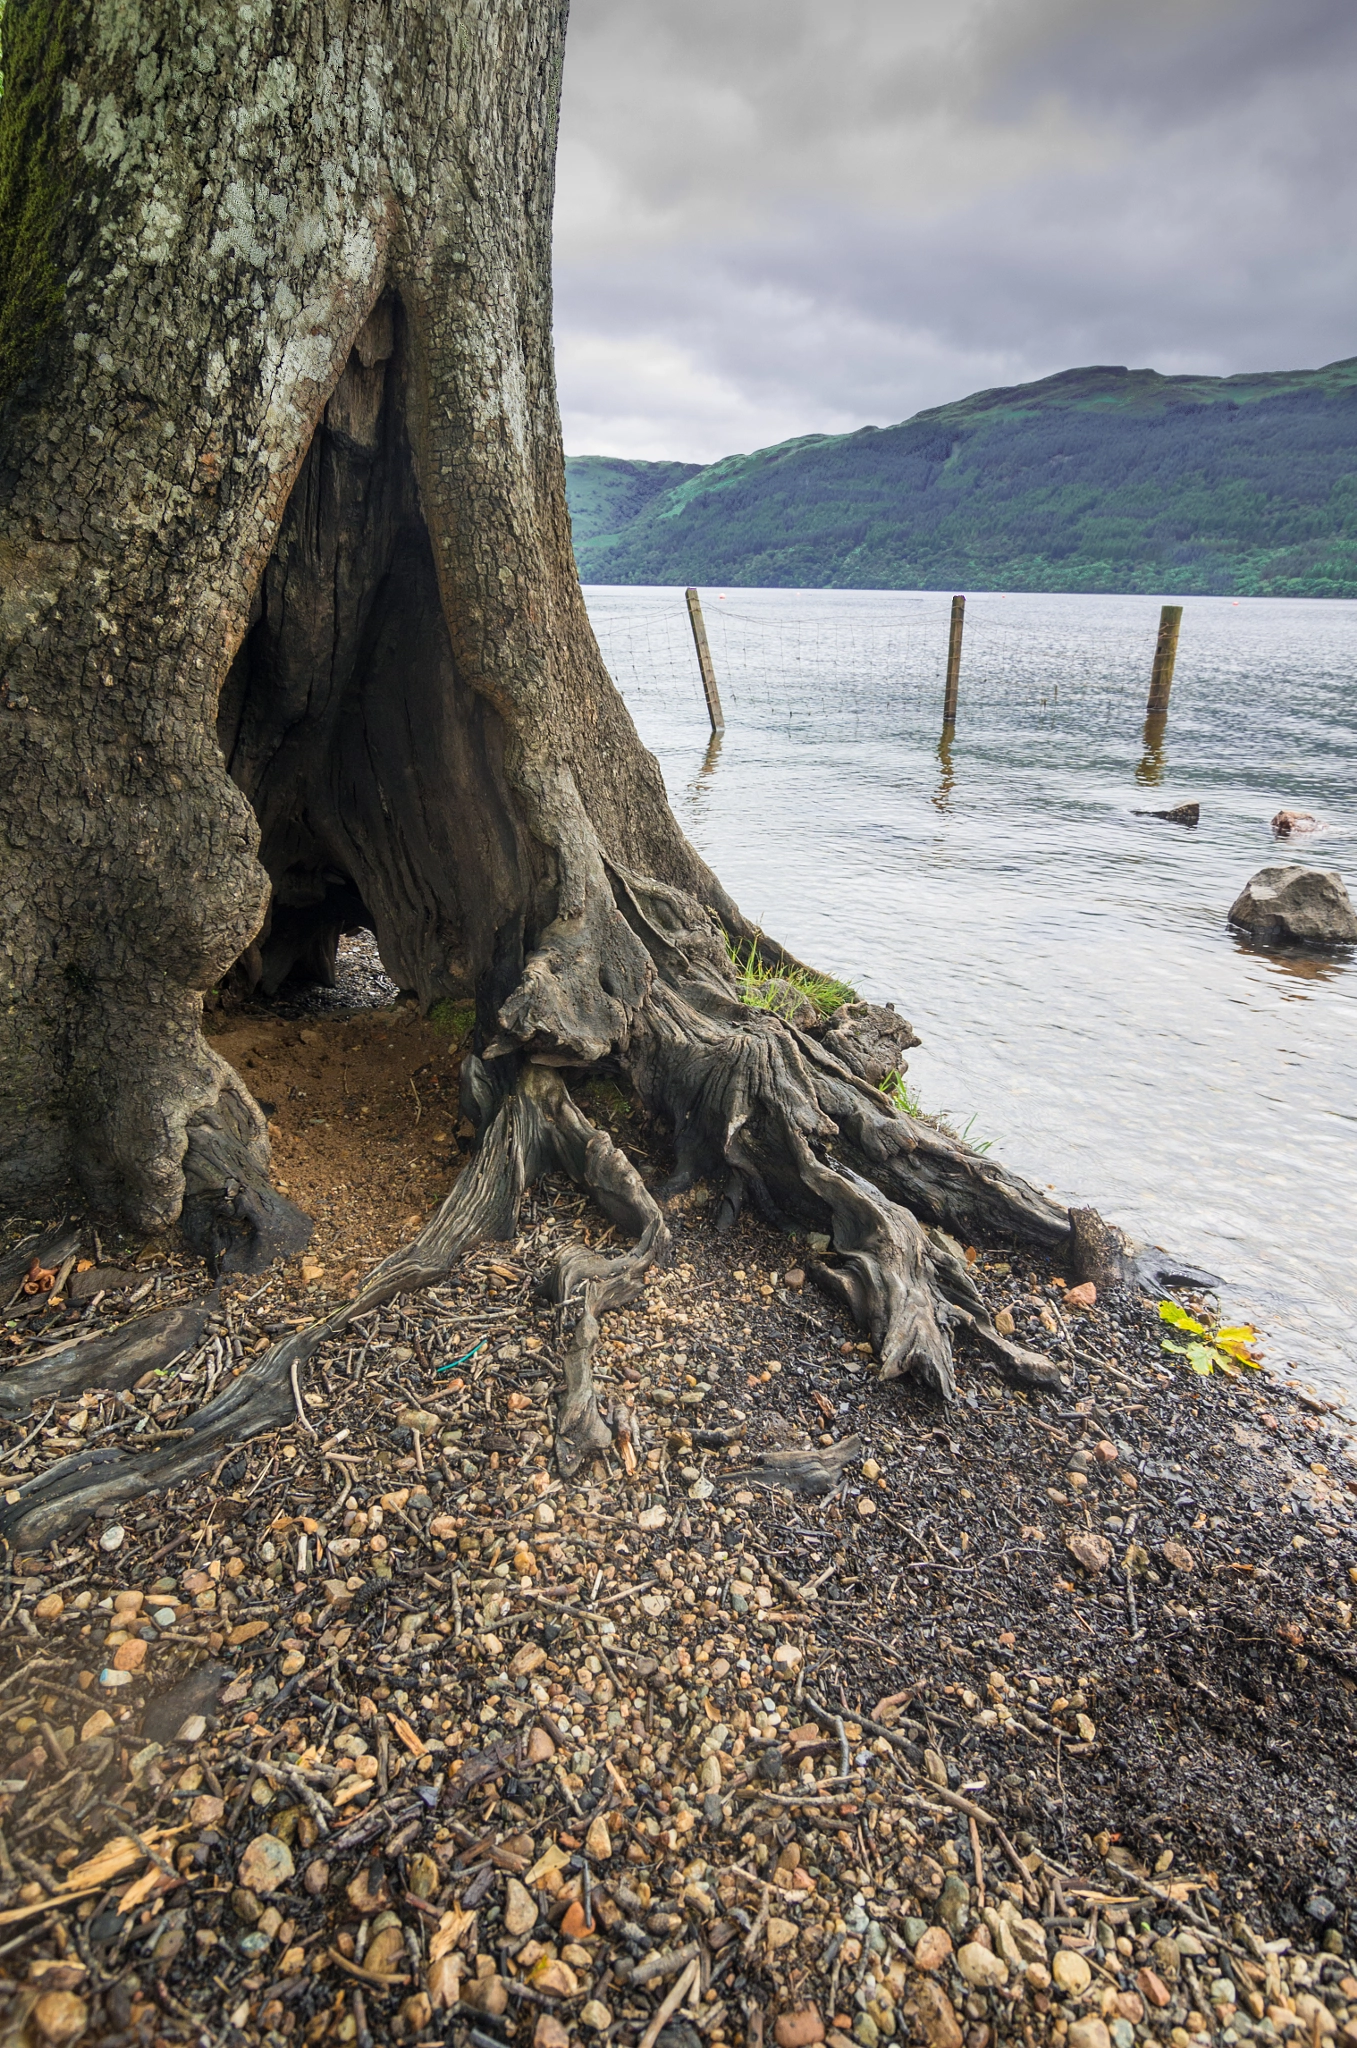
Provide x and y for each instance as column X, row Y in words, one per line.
column 799, row 2029
column 598, row 1844
column 50, row 1608
column 266, row 1864
column 1070, row 1971
column 981, row 1967
column 489, row 1995
column 554, row 1977
column 702, row 1721
column 112, row 1677
column 933, row 1949
column 112, row 1538
column 60, row 2016
column 935, row 2014
column 1093, row 1552
column 520, row 1908
column 954, row 1906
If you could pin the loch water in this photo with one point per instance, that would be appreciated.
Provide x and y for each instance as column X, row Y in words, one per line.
column 1083, row 1004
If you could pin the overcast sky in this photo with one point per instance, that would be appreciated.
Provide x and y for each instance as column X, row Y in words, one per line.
column 781, row 217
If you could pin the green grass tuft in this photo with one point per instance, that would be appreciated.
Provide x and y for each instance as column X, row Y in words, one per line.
column 454, row 1018
column 761, row 984
column 896, row 1089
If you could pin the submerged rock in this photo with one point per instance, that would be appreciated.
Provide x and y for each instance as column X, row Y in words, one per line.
column 1287, row 822
column 1181, row 814
column 1305, row 904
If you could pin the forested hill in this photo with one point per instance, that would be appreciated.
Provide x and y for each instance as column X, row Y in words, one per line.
column 1097, row 479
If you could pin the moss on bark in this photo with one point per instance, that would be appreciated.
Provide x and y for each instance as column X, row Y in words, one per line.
column 34, row 187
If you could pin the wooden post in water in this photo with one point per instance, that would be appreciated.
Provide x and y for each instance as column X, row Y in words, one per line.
column 1165, row 654
column 953, row 664
column 714, row 711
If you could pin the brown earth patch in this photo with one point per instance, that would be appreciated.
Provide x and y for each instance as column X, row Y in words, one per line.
column 363, row 1119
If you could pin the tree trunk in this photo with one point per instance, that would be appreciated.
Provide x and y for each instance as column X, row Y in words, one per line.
column 292, row 640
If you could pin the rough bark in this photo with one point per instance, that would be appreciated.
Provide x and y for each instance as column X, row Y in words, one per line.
column 292, row 639
column 269, row 226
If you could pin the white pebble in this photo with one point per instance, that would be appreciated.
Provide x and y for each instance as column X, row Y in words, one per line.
column 112, row 1538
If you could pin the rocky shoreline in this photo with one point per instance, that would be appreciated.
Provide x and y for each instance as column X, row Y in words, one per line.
column 816, row 1712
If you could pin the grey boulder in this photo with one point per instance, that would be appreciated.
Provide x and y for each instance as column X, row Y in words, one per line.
column 1304, row 904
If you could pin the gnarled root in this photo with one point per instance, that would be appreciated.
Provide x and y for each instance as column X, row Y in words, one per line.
column 537, row 1127
column 232, row 1217
column 774, row 1115
column 115, row 1359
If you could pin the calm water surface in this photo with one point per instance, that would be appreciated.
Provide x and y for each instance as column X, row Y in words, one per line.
column 1066, row 963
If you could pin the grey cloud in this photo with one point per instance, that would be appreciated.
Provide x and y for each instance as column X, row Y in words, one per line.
column 777, row 220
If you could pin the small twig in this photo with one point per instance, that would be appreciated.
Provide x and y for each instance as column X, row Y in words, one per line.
column 123, row 1827
column 978, row 1858
column 834, row 1723
column 663, row 1965
column 25, row 1441
column 670, row 2005
column 302, row 1416
column 364, row 1976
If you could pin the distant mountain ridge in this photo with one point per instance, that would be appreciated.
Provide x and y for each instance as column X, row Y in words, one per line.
column 1096, row 479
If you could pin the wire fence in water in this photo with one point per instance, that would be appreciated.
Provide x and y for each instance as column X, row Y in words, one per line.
column 791, row 659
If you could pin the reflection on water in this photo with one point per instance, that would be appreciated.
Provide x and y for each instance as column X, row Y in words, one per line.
column 1295, row 964
column 1067, row 964
column 942, row 795
column 1150, row 767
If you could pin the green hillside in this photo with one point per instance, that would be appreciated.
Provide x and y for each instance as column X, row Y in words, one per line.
column 1097, row 479
column 607, row 496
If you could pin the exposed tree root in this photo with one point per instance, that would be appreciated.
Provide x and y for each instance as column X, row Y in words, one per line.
column 766, row 1109
column 232, row 1217
column 115, row 1359
column 537, row 1128
column 770, row 1113
column 810, row 1472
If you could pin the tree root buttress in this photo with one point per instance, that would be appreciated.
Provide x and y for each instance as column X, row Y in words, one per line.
column 536, row 1128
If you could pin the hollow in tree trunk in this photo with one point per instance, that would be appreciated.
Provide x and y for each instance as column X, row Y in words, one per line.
column 293, row 642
